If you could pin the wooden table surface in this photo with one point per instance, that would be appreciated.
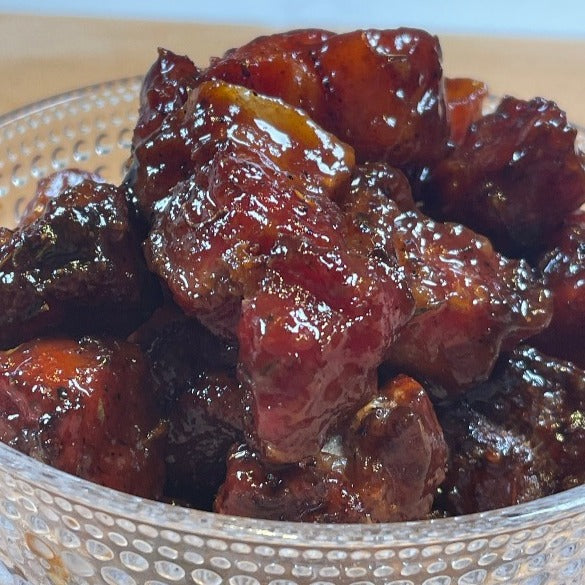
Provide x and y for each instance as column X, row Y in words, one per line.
column 42, row 56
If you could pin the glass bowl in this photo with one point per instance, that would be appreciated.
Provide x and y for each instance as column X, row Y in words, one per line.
column 59, row 530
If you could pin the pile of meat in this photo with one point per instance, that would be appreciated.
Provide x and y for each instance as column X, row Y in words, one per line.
column 329, row 289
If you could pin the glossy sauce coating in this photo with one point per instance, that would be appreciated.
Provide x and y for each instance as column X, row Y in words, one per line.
column 258, row 223
column 261, row 171
column 200, row 398
column 73, row 264
column 514, row 177
column 518, row 437
column 51, row 187
column 165, row 89
column 274, row 197
column 471, row 303
column 86, row 408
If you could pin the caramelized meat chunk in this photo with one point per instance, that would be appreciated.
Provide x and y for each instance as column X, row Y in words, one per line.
column 514, row 178
column 262, row 170
column 563, row 268
column 306, row 359
column 51, row 187
column 489, row 467
column 86, row 408
column 164, row 92
column 471, row 303
column 380, row 91
column 224, row 126
column 385, row 466
column 74, row 266
column 520, row 436
column 257, row 223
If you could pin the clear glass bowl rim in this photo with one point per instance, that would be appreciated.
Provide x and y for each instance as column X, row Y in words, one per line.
column 40, row 477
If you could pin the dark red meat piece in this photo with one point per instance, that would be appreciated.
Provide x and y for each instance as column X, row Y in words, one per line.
column 380, row 91
column 263, row 170
column 563, row 269
column 164, row 92
column 86, row 408
column 204, row 422
column 308, row 359
column 471, row 303
column 73, row 266
column 490, row 466
column 514, row 178
column 281, row 65
column 218, row 128
column 520, row 436
column 257, row 222
column 159, row 163
column 385, row 466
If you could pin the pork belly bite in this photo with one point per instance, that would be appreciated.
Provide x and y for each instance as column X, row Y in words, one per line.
column 255, row 234
column 379, row 90
column 470, row 301
column 74, row 264
column 514, row 178
column 199, row 397
column 563, row 270
column 471, row 304
column 517, row 437
column 86, row 407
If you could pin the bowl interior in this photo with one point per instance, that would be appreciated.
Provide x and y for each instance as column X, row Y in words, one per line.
column 58, row 529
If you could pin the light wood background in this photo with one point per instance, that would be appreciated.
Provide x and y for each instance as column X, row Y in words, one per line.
column 43, row 55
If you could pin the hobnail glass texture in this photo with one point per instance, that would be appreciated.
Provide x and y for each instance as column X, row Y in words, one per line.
column 59, row 530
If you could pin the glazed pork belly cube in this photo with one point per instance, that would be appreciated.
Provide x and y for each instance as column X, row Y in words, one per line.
column 471, row 303
column 73, row 264
column 517, row 437
column 198, row 394
column 86, row 407
column 380, row 91
column 515, row 177
column 563, row 270
column 253, row 245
